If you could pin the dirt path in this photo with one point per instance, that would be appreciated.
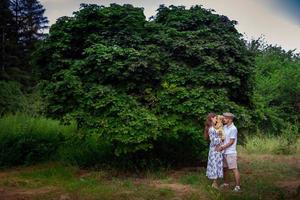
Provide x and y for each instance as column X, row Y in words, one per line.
column 24, row 194
column 179, row 189
column 291, row 186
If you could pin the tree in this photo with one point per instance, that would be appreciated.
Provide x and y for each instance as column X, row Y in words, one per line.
column 30, row 21
column 28, row 25
column 276, row 90
column 9, row 58
column 145, row 86
column 214, row 49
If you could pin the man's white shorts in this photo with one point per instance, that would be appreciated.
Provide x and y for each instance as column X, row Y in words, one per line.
column 230, row 161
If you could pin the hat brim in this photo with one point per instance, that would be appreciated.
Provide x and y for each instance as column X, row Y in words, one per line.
column 229, row 115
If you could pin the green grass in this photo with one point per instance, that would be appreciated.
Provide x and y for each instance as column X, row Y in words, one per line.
column 90, row 185
column 261, row 162
column 260, row 177
column 260, row 144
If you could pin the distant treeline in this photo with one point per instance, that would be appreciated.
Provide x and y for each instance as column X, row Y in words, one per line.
column 21, row 26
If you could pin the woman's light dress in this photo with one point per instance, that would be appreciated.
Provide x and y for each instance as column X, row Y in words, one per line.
column 215, row 159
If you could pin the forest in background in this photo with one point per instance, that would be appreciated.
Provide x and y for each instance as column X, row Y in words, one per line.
column 108, row 87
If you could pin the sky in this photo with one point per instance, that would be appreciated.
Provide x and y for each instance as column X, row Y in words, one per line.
column 277, row 21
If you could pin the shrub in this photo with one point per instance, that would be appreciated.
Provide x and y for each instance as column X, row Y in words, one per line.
column 289, row 137
column 85, row 150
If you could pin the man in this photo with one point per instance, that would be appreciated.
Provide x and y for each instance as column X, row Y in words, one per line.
column 230, row 153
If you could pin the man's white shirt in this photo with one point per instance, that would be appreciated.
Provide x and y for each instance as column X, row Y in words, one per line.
column 230, row 133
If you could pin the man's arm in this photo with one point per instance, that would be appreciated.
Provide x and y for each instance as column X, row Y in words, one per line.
column 221, row 148
column 231, row 142
column 233, row 135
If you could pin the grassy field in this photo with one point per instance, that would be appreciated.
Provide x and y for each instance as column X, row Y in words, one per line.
column 264, row 176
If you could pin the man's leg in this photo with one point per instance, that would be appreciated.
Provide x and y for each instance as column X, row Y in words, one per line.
column 237, row 177
column 225, row 174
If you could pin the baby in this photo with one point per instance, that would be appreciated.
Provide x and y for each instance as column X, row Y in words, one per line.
column 219, row 127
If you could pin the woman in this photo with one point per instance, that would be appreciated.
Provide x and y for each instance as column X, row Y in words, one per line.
column 215, row 159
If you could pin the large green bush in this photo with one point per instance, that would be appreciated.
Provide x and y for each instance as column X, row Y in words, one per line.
column 145, row 86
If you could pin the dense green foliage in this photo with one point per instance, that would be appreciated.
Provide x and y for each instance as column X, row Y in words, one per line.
column 13, row 100
column 146, row 86
column 277, row 90
column 11, row 97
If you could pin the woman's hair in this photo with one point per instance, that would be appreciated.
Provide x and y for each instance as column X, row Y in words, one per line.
column 208, row 124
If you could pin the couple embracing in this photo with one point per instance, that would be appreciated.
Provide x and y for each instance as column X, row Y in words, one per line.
column 222, row 156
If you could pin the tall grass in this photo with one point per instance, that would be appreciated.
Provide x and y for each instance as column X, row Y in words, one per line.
column 26, row 140
column 259, row 144
column 24, row 124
